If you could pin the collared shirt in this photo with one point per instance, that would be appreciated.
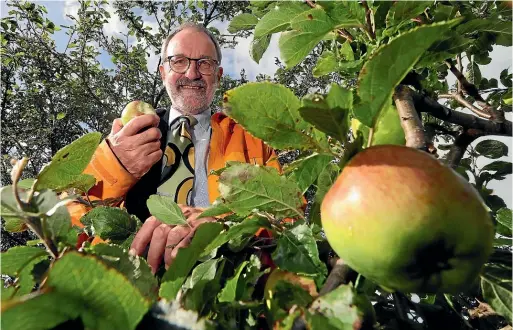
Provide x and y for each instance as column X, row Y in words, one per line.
column 200, row 134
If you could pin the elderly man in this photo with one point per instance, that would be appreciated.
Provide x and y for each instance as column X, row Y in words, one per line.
column 173, row 153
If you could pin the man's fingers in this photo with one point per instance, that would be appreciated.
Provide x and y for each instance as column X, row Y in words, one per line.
column 151, row 135
column 143, row 236
column 173, row 239
column 157, row 246
column 117, row 125
column 135, row 125
column 183, row 243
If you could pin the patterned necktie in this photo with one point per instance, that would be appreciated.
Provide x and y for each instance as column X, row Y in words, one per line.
column 177, row 178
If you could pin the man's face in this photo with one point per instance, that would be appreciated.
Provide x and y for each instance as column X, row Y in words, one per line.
column 190, row 92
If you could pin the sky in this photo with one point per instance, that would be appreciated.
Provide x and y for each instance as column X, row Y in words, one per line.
column 234, row 60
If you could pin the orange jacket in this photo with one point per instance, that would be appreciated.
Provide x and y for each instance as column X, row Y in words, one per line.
column 229, row 142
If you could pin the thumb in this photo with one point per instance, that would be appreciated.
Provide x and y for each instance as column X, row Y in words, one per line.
column 117, row 125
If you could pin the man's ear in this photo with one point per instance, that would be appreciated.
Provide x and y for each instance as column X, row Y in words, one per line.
column 219, row 74
column 162, row 72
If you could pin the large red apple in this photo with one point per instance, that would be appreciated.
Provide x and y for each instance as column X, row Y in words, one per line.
column 136, row 108
column 401, row 218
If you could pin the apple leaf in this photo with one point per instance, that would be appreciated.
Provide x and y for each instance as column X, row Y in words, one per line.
column 305, row 171
column 278, row 18
column 347, row 13
column 247, row 227
column 503, row 218
column 186, row 259
column 58, row 223
column 271, row 112
column 134, row 268
column 242, row 22
column 329, row 114
column 499, row 167
column 110, row 223
column 229, row 292
column 202, row 285
column 389, row 65
column 259, row 46
column 404, row 10
column 492, row 149
column 387, row 128
column 473, row 73
column 496, row 286
column 165, row 210
column 246, row 188
column 68, row 163
column 339, row 309
column 326, row 63
column 296, row 251
column 500, row 28
column 217, row 209
column 309, row 28
column 79, row 286
column 17, row 257
column 326, row 179
column 9, row 210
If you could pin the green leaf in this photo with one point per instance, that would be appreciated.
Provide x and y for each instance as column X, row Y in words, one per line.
column 229, row 292
column 134, row 268
column 26, row 183
column 186, row 258
column 305, row 171
column 61, row 115
column 309, row 28
column 492, row 149
column 286, row 294
column 383, row 71
column 242, row 22
column 502, row 241
column 79, row 286
column 500, row 167
column 506, row 79
column 342, row 308
column 19, row 256
column 201, row 284
column 496, row 286
column 68, row 163
column 247, row 282
column 58, row 224
column 278, row 18
column 500, row 28
column 9, row 210
column 346, row 51
column 247, row 227
column 258, row 47
column 404, row 10
column 83, row 182
column 327, row 63
column 346, row 13
column 329, row 114
column 296, row 251
column 217, row 209
column 270, row 112
column 387, row 130
column 504, row 219
column 246, row 187
column 324, row 182
column 25, row 282
column 165, row 210
column 110, row 223
column 473, row 73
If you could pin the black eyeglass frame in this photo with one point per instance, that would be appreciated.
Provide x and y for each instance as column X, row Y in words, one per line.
column 189, row 59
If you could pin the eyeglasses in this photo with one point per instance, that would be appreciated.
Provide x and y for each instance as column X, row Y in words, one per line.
column 180, row 64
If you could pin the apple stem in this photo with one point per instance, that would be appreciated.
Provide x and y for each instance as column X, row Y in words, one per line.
column 410, row 120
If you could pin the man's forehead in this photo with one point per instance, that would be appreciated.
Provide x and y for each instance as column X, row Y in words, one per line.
column 189, row 40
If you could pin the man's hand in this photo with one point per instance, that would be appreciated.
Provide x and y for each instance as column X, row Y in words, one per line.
column 165, row 240
column 137, row 151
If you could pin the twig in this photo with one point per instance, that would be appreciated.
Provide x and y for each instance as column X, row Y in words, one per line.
column 489, row 127
column 338, row 275
column 460, row 145
column 402, row 310
column 368, row 19
column 466, row 86
column 461, row 100
column 460, row 68
column 371, row 135
column 410, row 120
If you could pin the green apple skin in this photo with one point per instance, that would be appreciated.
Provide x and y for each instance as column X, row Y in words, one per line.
column 134, row 109
column 402, row 219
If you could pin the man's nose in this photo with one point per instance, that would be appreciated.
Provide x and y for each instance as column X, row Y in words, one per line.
column 192, row 73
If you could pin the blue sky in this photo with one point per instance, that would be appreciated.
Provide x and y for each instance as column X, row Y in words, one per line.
column 236, row 59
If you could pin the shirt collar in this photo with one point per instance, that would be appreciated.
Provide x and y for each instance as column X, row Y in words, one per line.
column 202, row 118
